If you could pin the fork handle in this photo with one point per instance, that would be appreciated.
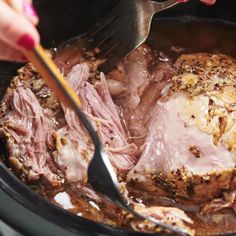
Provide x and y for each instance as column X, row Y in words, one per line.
column 161, row 6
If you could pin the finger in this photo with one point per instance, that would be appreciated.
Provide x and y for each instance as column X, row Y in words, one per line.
column 9, row 54
column 16, row 30
column 208, row 2
column 26, row 8
column 29, row 11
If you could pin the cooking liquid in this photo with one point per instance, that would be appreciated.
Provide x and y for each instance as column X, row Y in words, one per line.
column 171, row 38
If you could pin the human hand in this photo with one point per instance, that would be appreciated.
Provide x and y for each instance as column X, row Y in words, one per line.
column 17, row 29
column 207, row 2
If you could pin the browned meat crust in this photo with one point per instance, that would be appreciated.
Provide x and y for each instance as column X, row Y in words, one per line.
column 206, row 76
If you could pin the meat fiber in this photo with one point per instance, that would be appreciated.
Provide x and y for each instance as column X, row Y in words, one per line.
column 168, row 215
column 137, row 83
column 189, row 151
column 134, row 72
column 28, row 129
column 227, row 201
column 31, row 131
column 74, row 141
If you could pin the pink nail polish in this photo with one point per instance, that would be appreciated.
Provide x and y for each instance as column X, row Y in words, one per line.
column 29, row 10
column 23, row 58
column 26, row 42
column 208, row 3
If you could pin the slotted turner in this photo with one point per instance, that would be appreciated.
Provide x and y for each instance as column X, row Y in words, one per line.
column 124, row 29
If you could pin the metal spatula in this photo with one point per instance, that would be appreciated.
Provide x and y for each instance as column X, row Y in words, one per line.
column 124, row 29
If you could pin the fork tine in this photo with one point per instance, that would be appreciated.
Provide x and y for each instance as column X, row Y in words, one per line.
column 107, row 35
column 104, row 21
column 103, row 36
column 123, row 48
column 111, row 48
column 106, row 27
column 101, row 26
column 160, row 6
column 115, row 56
column 106, row 48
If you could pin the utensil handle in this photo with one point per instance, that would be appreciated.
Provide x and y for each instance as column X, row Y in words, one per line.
column 161, row 6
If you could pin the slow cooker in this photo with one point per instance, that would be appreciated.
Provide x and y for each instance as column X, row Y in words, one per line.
column 23, row 212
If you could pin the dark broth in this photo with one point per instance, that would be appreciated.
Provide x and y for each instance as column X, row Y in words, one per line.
column 171, row 38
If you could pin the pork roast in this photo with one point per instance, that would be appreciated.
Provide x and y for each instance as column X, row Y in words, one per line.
column 48, row 145
column 169, row 130
column 139, row 79
column 189, row 151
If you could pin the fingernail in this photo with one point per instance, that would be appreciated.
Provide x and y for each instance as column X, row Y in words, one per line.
column 29, row 10
column 181, row 1
column 208, row 3
column 23, row 58
column 26, row 42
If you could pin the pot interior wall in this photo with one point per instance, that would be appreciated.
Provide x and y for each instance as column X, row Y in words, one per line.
column 60, row 21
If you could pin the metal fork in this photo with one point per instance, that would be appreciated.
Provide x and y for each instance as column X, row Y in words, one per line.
column 124, row 29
